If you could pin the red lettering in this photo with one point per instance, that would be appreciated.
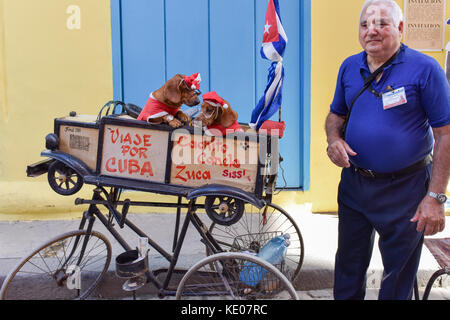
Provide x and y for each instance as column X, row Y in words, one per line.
column 147, row 168
column 112, row 135
column 134, row 151
column 133, row 166
column 139, row 140
column 127, row 139
column 192, row 175
column 122, row 165
column 125, row 149
column 200, row 158
column 147, row 140
column 179, row 141
column 142, row 153
column 234, row 174
column 179, row 176
column 113, row 162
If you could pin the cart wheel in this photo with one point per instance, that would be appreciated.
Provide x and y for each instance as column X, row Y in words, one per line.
column 68, row 267
column 63, row 179
column 236, row 276
column 224, row 210
column 256, row 228
column 133, row 110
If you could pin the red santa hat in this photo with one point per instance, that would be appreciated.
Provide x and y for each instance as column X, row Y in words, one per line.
column 193, row 81
column 213, row 99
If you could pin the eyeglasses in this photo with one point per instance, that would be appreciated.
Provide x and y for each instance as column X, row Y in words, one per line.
column 209, row 113
column 196, row 91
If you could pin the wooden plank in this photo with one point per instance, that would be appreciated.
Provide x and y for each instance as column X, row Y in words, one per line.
column 80, row 142
column 135, row 153
column 201, row 160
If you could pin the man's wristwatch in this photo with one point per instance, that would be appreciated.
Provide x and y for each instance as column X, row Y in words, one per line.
column 440, row 197
column 169, row 117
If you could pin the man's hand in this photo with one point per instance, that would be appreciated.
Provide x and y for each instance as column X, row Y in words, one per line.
column 338, row 151
column 430, row 216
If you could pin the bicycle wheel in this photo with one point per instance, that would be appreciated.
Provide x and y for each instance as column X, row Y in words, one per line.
column 236, row 276
column 69, row 266
column 255, row 228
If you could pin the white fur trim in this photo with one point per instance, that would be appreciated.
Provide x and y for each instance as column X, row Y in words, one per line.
column 214, row 104
column 207, row 131
column 199, row 79
column 157, row 115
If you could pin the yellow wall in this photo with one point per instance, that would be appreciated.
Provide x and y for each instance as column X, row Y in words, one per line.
column 47, row 70
column 334, row 38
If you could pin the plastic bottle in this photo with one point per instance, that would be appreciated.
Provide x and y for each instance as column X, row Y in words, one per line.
column 273, row 252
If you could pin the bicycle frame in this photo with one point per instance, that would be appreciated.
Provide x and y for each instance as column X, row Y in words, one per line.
column 112, row 201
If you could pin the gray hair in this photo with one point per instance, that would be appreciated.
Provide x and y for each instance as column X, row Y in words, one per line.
column 396, row 13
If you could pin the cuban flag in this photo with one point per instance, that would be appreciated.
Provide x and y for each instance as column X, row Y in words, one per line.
column 274, row 43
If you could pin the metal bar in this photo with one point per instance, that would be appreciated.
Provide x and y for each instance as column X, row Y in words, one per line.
column 177, row 225
column 140, row 203
column 113, row 231
column 208, row 239
column 433, row 278
column 152, row 278
column 86, row 215
column 176, row 253
column 86, row 239
column 97, row 199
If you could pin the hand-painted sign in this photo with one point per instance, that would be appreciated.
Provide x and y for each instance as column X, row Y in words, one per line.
column 199, row 159
column 137, row 153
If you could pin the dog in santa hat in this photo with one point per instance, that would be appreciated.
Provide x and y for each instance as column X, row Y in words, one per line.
column 163, row 105
column 216, row 116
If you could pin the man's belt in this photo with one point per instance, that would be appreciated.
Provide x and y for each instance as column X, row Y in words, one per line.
column 412, row 168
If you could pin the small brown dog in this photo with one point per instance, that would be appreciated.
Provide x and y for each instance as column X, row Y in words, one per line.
column 163, row 105
column 217, row 117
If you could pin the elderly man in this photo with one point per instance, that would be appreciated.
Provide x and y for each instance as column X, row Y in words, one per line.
column 388, row 183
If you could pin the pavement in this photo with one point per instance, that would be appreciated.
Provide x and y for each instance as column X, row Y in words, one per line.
column 315, row 280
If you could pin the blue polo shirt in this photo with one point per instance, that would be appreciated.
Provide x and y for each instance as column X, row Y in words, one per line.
column 392, row 139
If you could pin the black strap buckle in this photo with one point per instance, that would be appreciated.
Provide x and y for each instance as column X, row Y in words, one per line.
column 365, row 172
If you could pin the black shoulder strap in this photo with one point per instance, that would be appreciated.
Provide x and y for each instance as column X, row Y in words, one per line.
column 367, row 83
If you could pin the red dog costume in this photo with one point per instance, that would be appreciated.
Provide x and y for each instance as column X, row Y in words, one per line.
column 215, row 100
column 155, row 109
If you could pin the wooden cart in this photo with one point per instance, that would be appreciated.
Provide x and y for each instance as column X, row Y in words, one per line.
column 235, row 174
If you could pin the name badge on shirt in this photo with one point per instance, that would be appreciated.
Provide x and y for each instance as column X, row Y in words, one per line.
column 394, row 98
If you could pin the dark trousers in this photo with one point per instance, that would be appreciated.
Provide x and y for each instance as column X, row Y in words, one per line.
column 383, row 205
